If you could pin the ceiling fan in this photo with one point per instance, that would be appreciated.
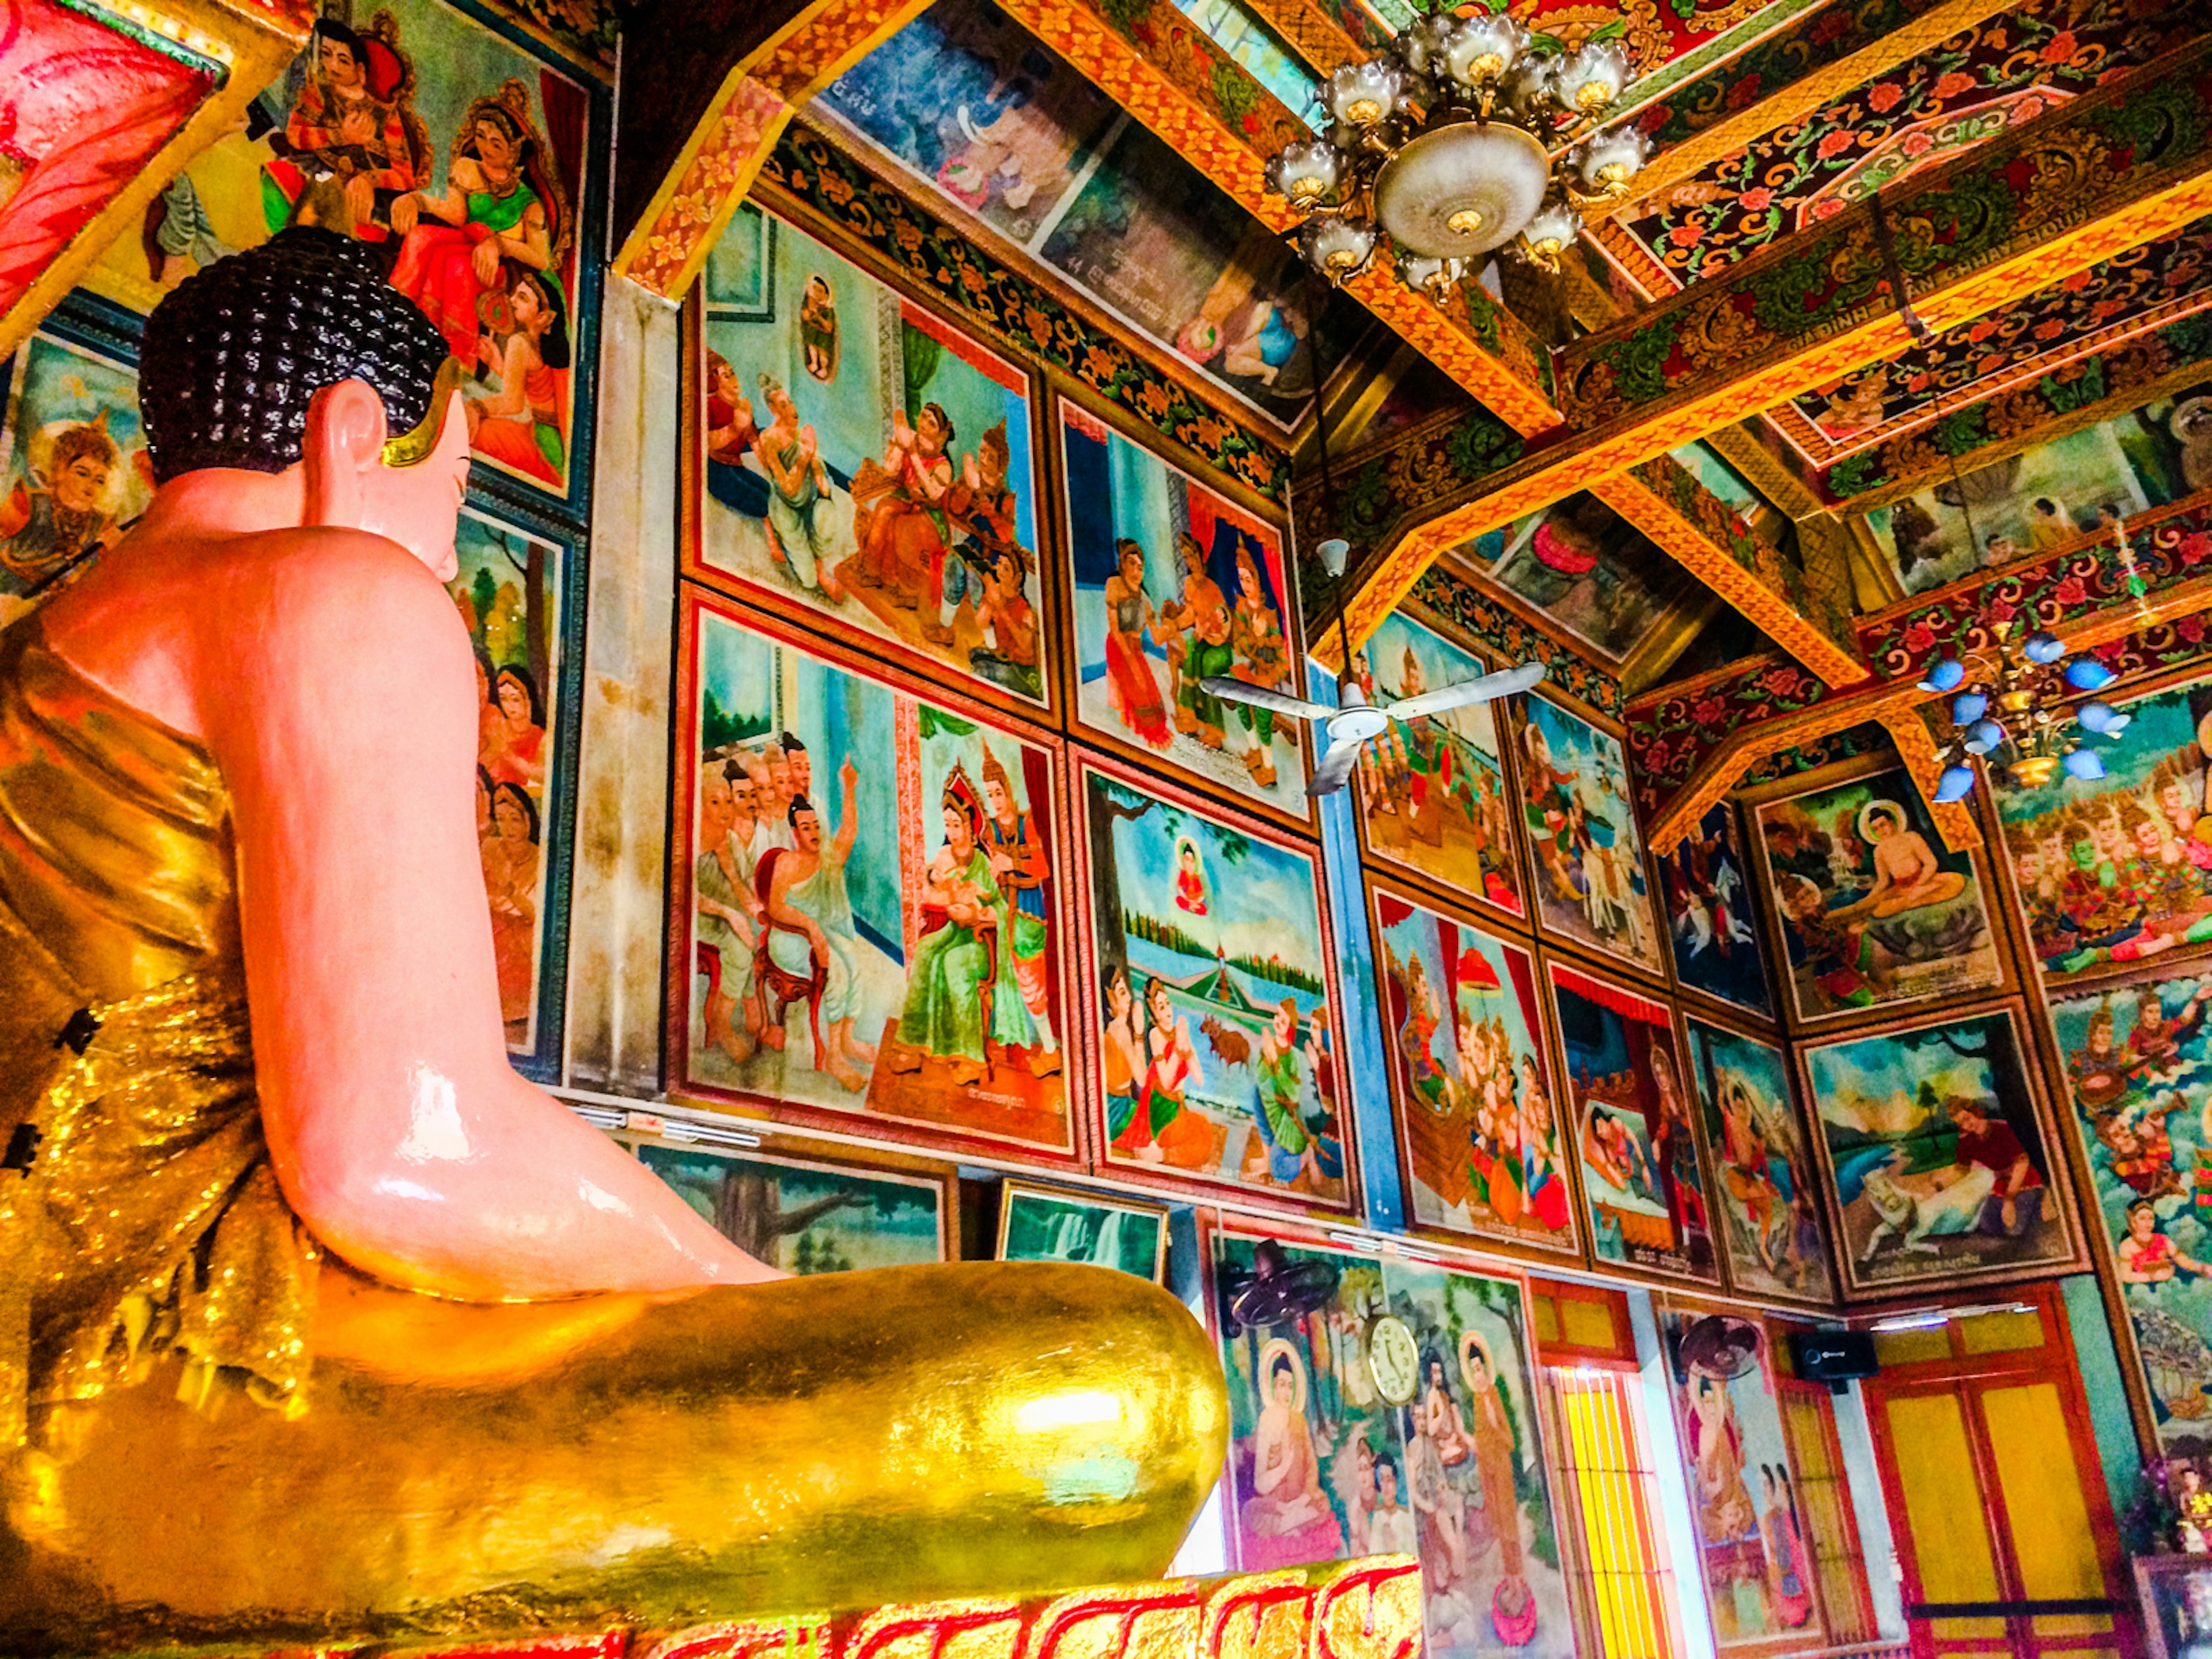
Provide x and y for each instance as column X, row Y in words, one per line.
column 1355, row 719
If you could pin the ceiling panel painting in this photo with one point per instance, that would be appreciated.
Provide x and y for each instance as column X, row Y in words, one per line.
column 2142, row 288
column 1975, row 85
column 2051, row 496
column 1584, row 568
column 979, row 112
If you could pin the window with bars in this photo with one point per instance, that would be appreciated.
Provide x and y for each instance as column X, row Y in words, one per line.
column 1824, row 1512
column 1606, row 1486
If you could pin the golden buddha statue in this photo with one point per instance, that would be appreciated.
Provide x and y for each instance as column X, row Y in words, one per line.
column 317, row 1321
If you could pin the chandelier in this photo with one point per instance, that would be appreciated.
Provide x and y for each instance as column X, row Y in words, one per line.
column 1448, row 147
column 2007, row 707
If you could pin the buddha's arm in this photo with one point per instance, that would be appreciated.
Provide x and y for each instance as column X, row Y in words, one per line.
column 346, row 735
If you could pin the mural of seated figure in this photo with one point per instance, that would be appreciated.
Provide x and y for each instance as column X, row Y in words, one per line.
column 316, row 1321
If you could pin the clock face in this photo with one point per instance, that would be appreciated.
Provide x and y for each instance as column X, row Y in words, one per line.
column 1394, row 1358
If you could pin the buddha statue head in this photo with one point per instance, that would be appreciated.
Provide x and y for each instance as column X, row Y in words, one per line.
column 298, row 361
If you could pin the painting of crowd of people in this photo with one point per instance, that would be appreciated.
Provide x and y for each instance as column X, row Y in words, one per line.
column 1324, row 1466
column 1758, row 1574
column 1708, row 915
column 456, row 158
column 2052, row 495
column 2119, row 869
column 1939, row 1166
column 1582, row 836
column 2139, row 1072
column 1643, row 1188
column 1169, row 585
column 1765, row 1188
column 74, row 474
column 1476, row 1109
column 1432, row 791
column 875, row 896
column 1218, row 1052
column 1876, row 910
column 867, row 463
column 1006, row 136
column 508, row 590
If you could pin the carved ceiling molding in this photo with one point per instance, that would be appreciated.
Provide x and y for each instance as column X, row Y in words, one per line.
column 99, row 111
column 688, row 212
column 1310, row 30
column 1691, row 744
column 1794, row 101
column 2102, row 174
column 1160, row 67
column 2084, row 393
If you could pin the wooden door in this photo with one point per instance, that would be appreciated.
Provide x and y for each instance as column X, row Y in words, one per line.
column 1995, row 1498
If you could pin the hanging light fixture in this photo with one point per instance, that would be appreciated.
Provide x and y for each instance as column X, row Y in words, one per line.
column 2007, row 709
column 1462, row 140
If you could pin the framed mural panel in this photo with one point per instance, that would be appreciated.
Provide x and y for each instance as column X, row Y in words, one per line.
column 1216, row 1018
column 1585, row 848
column 1472, row 1088
column 862, row 466
column 1765, row 1188
column 1873, row 910
column 1170, row 582
column 1758, row 1575
column 519, row 590
column 1644, row 1184
column 74, row 475
column 1051, row 1223
column 2138, row 1060
column 1710, row 922
column 962, row 108
column 2119, row 870
column 1435, row 800
column 807, row 1215
column 869, row 921
column 469, row 159
column 1438, row 1456
column 1936, row 1156
column 1585, row 570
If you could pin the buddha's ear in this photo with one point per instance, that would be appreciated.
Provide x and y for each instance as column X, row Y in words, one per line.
column 344, row 446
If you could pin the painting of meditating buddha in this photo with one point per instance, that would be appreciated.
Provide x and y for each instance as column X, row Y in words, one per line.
column 874, row 897
column 866, row 466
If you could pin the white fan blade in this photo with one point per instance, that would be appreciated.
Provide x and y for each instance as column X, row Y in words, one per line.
column 1235, row 690
column 1502, row 683
column 1335, row 769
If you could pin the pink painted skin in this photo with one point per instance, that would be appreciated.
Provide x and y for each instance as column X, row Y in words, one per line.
column 296, row 624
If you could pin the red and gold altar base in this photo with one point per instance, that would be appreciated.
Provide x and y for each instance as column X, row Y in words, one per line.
column 1367, row 1609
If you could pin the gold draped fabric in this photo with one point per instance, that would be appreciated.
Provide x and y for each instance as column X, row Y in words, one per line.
column 148, row 1220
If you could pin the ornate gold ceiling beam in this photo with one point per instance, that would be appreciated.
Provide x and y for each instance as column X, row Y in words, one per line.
column 1309, row 30
column 716, row 165
column 2123, row 165
column 1169, row 76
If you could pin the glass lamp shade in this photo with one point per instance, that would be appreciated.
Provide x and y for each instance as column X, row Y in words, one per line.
column 1421, row 48
column 1484, row 48
column 1549, row 235
column 1956, row 783
column 1461, row 190
column 1529, row 92
column 1608, row 162
column 1305, row 173
column 1432, row 277
column 1591, row 78
column 1337, row 248
column 1361, row 95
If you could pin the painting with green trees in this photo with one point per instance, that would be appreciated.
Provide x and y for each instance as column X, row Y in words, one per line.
column 1209, row 959
column 1036, row 1225
column 807, row 1217
column 1324, row 1466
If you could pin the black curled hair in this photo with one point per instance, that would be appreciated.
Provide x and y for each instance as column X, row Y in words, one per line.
column 234, row 356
